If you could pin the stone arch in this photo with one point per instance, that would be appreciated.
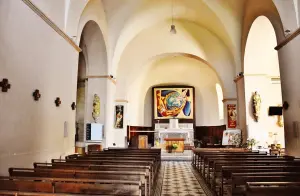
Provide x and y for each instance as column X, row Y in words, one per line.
column 198, row 74
column 262, row 75
column 91, row 78
column 254, row 9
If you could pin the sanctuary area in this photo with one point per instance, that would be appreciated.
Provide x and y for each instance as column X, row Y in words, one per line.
column 149, row 97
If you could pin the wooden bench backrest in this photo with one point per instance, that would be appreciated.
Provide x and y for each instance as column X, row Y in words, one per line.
column 79, row 174
column 227, row 171
column 69, row 186
column 92, row 167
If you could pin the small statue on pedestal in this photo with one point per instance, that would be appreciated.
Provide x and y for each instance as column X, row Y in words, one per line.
column 256, row 101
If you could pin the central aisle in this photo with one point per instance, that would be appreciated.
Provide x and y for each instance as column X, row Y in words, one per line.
column 179, row 180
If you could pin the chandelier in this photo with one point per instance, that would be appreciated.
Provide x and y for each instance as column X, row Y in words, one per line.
column 173, row 27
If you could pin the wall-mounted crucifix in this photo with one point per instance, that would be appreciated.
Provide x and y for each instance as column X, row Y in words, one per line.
column 4, row 84
column 57, row 101
column 73, row 106
column 36, row 95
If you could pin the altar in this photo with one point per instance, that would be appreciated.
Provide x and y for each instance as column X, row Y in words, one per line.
column 173, row 130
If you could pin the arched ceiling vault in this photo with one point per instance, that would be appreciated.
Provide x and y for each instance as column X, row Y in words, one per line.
column 216, row 17
column 125, row 83
column 192, row 39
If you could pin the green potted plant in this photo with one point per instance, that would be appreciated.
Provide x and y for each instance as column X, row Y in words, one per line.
column 171, row 147
column 174, row 146
column 251, row 142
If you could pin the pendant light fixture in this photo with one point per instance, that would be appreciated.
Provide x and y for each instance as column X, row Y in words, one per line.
column 173, row 28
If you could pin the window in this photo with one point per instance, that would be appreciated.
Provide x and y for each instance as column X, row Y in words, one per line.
column 220, row 101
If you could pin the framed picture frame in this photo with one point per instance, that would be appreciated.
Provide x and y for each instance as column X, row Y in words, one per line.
column 119, row 117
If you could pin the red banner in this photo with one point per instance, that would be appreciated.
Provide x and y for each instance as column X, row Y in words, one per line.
column 232, row 115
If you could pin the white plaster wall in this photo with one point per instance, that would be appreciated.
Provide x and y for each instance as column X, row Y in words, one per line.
column 289, row 72
column 260, row 56
column 288, row 15
column 33, row 56
column 175, row 71
column 263, row 130
column 54, row 9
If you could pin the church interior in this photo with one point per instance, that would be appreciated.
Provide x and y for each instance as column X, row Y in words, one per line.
column 149, row 97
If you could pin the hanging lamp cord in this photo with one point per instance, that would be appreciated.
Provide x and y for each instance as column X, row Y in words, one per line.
column 172, row 13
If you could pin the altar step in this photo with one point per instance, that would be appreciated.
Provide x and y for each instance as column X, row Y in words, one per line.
column 176, row 156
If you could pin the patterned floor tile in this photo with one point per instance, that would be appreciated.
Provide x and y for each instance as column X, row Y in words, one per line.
column 179, row 180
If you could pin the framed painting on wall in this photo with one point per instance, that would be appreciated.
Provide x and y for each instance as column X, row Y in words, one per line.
column 173, row 102
column 232, row 116
column 119, row 116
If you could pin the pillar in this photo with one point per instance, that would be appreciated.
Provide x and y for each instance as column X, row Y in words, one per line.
column 289, row 59
column 241, row 106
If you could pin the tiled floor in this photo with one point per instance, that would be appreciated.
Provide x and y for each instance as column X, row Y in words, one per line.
column 185, row 156
column 179, row 180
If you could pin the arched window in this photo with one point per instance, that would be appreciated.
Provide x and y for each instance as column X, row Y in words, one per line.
column 220, row 101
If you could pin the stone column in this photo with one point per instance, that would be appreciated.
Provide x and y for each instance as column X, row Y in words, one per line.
column 109, row 120
column 95, row 85
column 289, row 59
column 241, row 107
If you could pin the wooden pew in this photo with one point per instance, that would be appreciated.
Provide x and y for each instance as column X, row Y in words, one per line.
column 239, row 180
column 214, row 160
column 208, row 160
column 79, row 174
column 199, row 156
column 227, row 171
column 212, row 170
column 19, row 193
column 272, row 188
column 72, row 186
column 155, row 154
column 74, row 166
column 218, row 166
column 197, row 152
column 111, row 162
column 82, row 167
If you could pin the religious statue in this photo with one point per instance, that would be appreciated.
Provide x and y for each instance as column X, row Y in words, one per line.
column 96, row 108
column 256, row 100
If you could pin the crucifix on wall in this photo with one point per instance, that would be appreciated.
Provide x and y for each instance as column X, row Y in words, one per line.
column 4, row 84
column 36, row 95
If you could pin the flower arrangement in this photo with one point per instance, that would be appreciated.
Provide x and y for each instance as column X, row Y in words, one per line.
column 174, row 146
column 171, row 147
column 251, row 142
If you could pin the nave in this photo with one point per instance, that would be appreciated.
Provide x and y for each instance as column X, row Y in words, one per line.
column 179, row 180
